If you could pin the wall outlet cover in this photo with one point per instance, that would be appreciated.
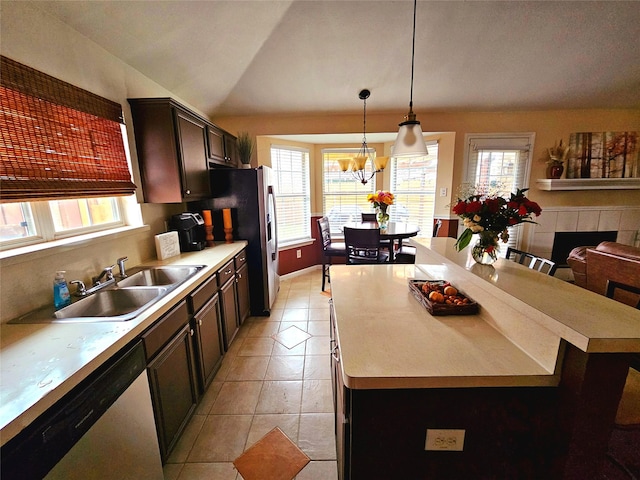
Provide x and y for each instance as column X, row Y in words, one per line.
column 444, row 440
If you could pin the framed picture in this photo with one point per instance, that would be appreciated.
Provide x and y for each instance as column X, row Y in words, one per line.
column 603, row 155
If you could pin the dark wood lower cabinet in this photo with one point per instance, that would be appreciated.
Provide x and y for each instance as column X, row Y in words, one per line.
column 242, row 284
column 173, row 388
column 229, row 311
column 208, row 339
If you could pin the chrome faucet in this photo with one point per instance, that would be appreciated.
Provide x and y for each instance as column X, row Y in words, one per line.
column 107, row 272
column 120, row 263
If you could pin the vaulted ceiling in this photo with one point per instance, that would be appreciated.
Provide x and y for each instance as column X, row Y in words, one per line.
column 287, row 57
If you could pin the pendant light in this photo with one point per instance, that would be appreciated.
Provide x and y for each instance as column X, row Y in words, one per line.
column 410, row 142
column 358, row 163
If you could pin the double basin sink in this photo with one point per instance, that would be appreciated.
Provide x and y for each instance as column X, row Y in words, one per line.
column 120, row 302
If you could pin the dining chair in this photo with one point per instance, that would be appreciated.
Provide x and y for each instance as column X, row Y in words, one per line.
column 531, row 261
column 363, row 246
column 330, row 249
column 632, row 296
column 369, row 217
column 437, row 223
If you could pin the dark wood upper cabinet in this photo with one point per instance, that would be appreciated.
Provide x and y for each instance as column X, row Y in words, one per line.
column 175, row 149
column 222, row 147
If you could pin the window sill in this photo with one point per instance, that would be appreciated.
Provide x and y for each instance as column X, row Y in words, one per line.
column 41, row 250
column 296, row 244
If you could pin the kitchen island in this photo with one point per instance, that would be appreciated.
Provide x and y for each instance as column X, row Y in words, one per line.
column 532, row 384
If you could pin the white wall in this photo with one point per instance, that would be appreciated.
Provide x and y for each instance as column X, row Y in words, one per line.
column 39, row 41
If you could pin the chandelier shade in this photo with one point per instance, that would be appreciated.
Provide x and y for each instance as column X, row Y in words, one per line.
column 357, row 164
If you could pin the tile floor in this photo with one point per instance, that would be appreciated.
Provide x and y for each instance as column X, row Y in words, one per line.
column 264, row 383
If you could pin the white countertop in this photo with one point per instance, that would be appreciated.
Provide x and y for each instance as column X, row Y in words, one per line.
column 591, row 322
column 40, row 363
column 389, row 340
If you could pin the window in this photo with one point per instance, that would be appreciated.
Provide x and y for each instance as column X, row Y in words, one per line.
column 499, row 163
column 27, row 223
column 293, row 204
column 64, row 160
column 343, row 197
column 413, row 182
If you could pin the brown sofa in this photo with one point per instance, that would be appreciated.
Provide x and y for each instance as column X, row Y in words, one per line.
column 593, row 266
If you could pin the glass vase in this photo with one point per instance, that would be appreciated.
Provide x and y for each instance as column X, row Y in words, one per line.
column 383, row 218
column 486, row 249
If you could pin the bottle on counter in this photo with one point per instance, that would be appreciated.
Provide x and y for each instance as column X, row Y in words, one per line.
column 61, row 295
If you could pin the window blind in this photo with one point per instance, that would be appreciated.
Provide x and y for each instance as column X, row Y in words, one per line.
column 499, row 164
column 291, row 170
column 413, row 182
column 343, row 197
column 57, row 140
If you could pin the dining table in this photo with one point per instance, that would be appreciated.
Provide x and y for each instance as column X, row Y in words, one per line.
column 393, row 234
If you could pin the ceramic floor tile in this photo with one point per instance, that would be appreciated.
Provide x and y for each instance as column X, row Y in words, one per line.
column 237, row 398
column 302, row 325
column 279, row 349
column 263, row 424
column 318, row 329
column 291, row 337
column 285, row 367
column 208, row 471
column 280, row 397
column 317, row 367
column 317, row 396
column 295, row 315
column 297, row 302
column 171, row 471
column 319, row 470
column 209, row 397
column 247, row 368
column 316, row 436
column 255, row 346
column 319, row 314
column 273, row 457
column 319, row 302
column 276, row 314
column 318, row 346
column 187, row 439
column 221, row 439
column 263, row 329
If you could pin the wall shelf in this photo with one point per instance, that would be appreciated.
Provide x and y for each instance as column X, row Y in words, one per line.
column 588, row 184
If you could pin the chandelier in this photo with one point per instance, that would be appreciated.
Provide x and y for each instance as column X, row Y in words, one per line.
column 357, row 164
column 410, row 142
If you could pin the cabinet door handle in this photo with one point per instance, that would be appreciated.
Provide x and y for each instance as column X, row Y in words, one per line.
column 188, row 192
column 228, row 272
column 191, row 332
column 200, row 322
column 335, row 353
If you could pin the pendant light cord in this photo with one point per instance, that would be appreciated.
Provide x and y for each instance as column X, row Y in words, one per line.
column 413, row 53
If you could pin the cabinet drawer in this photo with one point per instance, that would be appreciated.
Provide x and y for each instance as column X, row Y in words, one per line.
column 241, row 259
column 160, row 333
column 203, row 293
column 225, row 273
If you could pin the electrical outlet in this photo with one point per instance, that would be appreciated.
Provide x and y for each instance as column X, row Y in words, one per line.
column 298, row 253
column 439, row 440
column 443, row 192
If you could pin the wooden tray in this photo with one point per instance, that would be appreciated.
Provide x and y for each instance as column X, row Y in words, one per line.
column 441, row 308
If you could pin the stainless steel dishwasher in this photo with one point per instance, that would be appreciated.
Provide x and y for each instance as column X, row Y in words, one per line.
column 102, row 429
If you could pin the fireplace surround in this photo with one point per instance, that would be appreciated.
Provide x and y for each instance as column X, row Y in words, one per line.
column 620, row 224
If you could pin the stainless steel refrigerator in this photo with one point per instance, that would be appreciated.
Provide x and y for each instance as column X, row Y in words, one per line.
column 250, row 195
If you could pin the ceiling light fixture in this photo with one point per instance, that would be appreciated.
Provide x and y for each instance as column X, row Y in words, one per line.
column 358, row 163
column 410, row 142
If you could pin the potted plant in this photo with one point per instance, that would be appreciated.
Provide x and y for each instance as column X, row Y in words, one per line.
column 557, row 156
column 245, row 146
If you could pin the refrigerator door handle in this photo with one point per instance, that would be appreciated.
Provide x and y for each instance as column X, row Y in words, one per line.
column 274, row 222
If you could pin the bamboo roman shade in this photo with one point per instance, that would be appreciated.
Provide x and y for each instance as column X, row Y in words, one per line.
column 57, row 140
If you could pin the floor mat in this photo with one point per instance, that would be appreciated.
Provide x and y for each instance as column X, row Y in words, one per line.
column 273, row 457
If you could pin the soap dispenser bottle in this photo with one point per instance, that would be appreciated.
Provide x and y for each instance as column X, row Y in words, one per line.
column 61, row 295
